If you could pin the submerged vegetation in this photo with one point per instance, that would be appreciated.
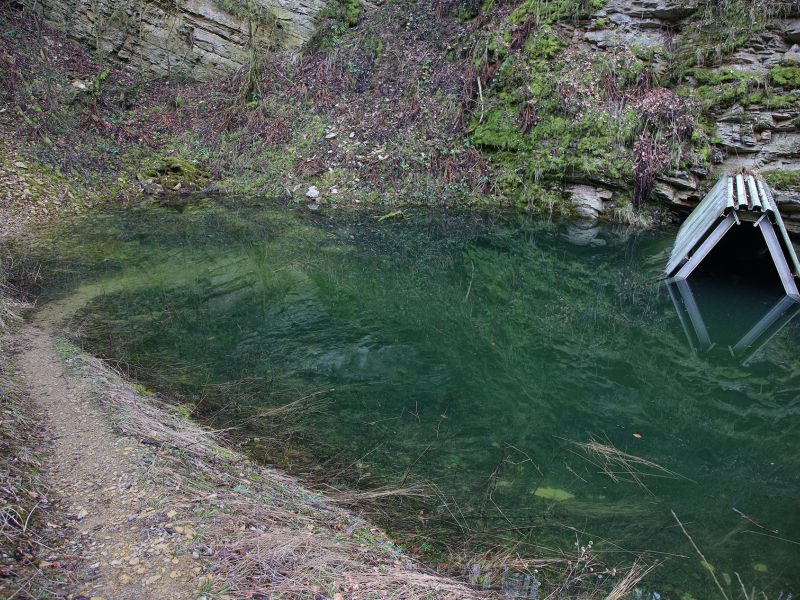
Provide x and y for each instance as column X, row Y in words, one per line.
column 493, row 392
column 263, row 313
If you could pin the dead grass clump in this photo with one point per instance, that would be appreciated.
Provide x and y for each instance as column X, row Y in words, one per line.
column 577, row 573
column 619, row 465
column 287, row 562
column 631, row 579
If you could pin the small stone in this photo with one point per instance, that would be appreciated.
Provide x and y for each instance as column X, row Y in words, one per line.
column 330, row 136
column 312, row 192
column 171, row 514
column 793, row 55
column 134, row 561
column 20, row 165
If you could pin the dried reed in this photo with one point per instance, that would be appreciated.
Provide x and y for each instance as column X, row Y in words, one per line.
column 619, row 465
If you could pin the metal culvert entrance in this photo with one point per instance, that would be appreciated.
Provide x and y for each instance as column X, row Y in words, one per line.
column 742, row 254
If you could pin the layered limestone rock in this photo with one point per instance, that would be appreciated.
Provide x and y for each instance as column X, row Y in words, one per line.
column 754, row 137
column 588, row 201
column 197, row 39
column 642, row 23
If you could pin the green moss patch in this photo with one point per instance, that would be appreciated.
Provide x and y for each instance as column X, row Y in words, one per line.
column 178, row 175
column 782, row 179
column 552, row 11
column 786, row 76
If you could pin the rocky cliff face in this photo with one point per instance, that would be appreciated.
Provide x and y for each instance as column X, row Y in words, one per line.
column 198, row 39
column 758, row 131
column 560, row 98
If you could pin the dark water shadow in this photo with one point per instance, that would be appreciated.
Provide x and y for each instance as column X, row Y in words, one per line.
column 730, row 320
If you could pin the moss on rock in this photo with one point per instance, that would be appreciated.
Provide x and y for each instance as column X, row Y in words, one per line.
column 786, row 76
column 782, row 179
column 175, row 174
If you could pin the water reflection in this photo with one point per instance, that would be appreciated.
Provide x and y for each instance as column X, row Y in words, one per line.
column 730, row 319
column 472, row 356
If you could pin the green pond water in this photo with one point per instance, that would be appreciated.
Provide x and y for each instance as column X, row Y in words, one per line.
column 475, row 357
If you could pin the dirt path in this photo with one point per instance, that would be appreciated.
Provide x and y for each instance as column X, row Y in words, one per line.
column 122, row 536
column 140, row 502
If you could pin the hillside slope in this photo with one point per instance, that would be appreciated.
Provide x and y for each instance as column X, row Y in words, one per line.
column 588, row 107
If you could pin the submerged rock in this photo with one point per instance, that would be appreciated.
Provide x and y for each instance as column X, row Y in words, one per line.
column 584, row 233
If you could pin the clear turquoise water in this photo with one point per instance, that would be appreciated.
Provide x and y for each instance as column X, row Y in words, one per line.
column 472, row 356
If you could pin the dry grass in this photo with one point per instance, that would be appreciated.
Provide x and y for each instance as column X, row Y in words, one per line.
column 579, row 573
column 627, row 215
column 619, row 465
column 631, row 579
column 22, row 498
column 269, row 535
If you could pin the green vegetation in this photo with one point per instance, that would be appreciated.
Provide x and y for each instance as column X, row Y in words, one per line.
column 787, row 76
column 721, row 26
column 548, row 12
column 250, row 10
column 782, row 179
column 552, row 114
column 178, row 175
column 343, row 11
column 333, row 22
column 719, row 89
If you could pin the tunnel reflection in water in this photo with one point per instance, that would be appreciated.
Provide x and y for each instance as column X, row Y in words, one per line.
column 738, row 328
